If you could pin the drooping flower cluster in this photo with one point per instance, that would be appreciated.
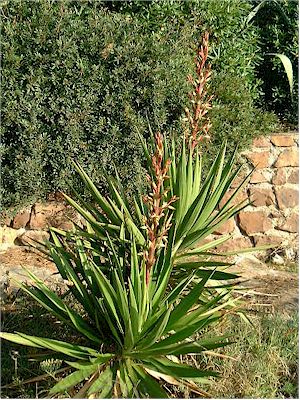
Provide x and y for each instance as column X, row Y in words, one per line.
column 199, row 122
column 157, row 205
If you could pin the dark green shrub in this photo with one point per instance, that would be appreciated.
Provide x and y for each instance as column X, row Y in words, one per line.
column 235, row 57
column 277, row 24
column 76, row 81
column 78, row 78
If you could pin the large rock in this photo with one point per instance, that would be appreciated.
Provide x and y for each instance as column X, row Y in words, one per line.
column 262, row 196
column 208, row 239
column 50, row 214
column 280, row 177
column 261, row 176
column 235, row 244
column 263, row 240
column 239, row 178
column 291, row 224
column 259, row 159
column 254, row 222
column 8, row 236
column 282, row 140
column 286, row 197
column 261, row 142
column 5, row 219
column 32, row 237
column 227, row 227
column 242, row 195
column 21, row 219
column 288, row 158
column 293, row 176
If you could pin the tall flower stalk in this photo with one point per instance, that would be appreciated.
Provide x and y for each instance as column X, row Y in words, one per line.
column 199, row 125
column 157, row 205
column 197, row 114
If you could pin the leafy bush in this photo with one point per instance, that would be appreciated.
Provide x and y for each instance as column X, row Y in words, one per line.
column 79, row 77
column 277, row 23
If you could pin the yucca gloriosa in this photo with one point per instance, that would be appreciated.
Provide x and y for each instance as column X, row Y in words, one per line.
column 146, row 285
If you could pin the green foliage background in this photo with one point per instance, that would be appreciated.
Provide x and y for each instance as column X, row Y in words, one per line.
column 277, row 23
column 78, row 79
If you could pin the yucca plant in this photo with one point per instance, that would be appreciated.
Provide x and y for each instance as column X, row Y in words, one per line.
column 146, row 287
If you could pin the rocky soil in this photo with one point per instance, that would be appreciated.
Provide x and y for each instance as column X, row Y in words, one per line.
column 275, row 290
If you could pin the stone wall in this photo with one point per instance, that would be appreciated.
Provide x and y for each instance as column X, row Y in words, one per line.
column 271, row 219
column 32, row 223
column 273, row 189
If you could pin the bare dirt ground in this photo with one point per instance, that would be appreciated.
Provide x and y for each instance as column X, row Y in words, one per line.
column 278, row 290
column 12, row 262
column 274, row 289
column 23, row 255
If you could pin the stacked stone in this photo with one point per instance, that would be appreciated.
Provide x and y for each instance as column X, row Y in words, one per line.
column 273, row 189
column 32, row 223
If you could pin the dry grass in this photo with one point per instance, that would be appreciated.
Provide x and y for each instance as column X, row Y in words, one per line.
column 263, row 361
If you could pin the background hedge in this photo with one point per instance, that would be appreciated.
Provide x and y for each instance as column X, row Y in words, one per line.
column 277, row 23
column 79, row 77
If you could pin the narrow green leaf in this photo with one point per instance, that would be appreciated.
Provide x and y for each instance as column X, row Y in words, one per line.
column 101, row 359
column 104, row 384
column 202, row 248
column 109, row 294
column 188, row 265
column 15, row 338
column 103, row 203
column 179, row 371
column 148, row 386
column 255, row 10
column 288, row 67
column 72, row 350
column 217, row 275
column 187, row 302
column 156, row 333
column 73, row 379
column 186, row 332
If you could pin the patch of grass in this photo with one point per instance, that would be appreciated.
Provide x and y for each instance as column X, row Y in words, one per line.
column 264, row 359
column 288, row 266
